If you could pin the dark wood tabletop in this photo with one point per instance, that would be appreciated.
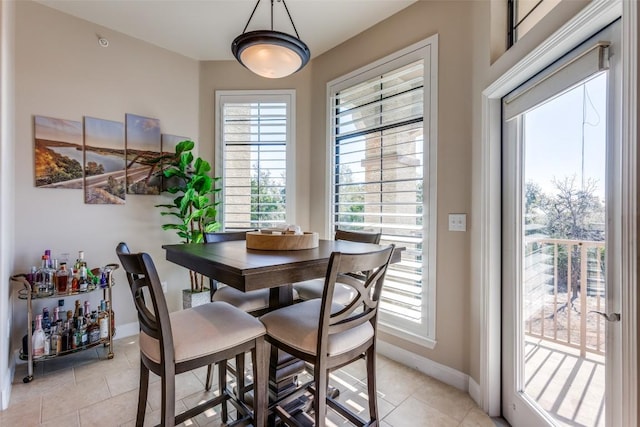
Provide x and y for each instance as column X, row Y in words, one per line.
column 247, row 269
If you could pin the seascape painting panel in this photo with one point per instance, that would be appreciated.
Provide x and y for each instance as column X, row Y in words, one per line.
column 58, row 153
column 143, row 155
column 104, row 161
column 169, row 143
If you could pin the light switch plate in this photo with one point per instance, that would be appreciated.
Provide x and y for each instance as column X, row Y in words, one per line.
column 457, row 222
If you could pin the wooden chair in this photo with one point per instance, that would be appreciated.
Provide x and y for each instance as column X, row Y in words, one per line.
column 311, row 289
column 254, row 302
column 173, row 343
column 329, row 335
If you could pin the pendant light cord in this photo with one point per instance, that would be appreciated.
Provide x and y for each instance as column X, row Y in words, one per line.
column 285, row 8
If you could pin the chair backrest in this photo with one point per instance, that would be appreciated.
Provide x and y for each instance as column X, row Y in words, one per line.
column 226, row 236
column 142, row 275
column 358, row 236
column 223, row 236
column 364, row 307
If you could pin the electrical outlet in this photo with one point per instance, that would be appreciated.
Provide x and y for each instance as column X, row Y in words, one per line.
column 457, row 222
column 164, row 287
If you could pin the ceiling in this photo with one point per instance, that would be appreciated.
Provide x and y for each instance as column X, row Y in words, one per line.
column 204, row 29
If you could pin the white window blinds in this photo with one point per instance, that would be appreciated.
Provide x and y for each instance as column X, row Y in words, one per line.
column 378, row 179
column 255, row 133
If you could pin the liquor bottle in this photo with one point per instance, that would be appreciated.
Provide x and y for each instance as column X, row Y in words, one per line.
column 46, row 320
column 94, row 329
column 83, row 337
column 47, row 344
column 76, row 311
column 62, row 278
column 64, row 335
column 56, row 338
column 83, row 282
column 72, row 334
column 103, row 323
column 38, row 338
column 43, row 278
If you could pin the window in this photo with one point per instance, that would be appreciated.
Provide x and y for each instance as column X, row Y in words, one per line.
column 524, row 15
column 382, row 128
column 254, row 157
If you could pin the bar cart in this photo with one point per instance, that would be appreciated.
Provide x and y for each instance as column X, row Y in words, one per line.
column 29, row 293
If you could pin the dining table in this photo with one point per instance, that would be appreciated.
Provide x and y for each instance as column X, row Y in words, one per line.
column 233, row 264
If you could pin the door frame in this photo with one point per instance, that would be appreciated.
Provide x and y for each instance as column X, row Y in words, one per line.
column 591, row 19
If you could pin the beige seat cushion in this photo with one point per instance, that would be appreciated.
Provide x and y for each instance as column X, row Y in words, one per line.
column 297, row 326
column 203, row 330
column 312, row 289
column 245, row 301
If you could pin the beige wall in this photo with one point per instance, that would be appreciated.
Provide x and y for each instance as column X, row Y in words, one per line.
column 409, row 26
column 230, row 75
column 63, row 73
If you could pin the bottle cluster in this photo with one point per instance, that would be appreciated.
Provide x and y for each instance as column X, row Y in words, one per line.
column 53, row 278
column 70, row 330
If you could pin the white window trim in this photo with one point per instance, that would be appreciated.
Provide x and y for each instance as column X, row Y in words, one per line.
column 284, row 95
column 591, row 19
column 428, row 50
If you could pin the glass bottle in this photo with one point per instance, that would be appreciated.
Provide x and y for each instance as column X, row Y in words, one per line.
column 94, row 329
column 76, row 311
column 38, row 338
column 40, row 281
column 46, row 320
column 62, row 278
column 56, row 338
column 83, row 282
column 103, row 323
column 82, row 331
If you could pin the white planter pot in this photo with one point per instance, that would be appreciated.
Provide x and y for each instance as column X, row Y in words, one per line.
column 194, row 299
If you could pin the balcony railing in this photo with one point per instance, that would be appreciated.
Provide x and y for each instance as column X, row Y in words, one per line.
column 564, row 280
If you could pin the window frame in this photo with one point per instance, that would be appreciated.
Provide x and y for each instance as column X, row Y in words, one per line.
column 427, row 50
column 283, row 95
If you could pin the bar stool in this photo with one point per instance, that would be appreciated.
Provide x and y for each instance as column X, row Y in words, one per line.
column 173, row 343
column 329, row 335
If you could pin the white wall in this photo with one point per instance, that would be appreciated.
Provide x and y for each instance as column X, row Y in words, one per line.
column 7, row 99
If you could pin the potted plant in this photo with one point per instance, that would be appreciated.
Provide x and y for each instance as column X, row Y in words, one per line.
column 195, row 206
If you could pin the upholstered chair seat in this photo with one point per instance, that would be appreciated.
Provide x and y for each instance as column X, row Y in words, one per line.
column 205, row 329
column 251, row 302
column 297, row 326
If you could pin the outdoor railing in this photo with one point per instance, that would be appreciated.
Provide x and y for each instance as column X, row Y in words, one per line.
column 564, row 280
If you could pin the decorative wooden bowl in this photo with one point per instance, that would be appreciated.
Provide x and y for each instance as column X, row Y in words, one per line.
column 281, row 242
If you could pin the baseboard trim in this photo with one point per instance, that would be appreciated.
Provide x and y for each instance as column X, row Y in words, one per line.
column 441, row 372
column 127, row 330
column 474, row 391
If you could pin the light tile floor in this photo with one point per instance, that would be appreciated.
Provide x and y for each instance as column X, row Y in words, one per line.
column 86, row 389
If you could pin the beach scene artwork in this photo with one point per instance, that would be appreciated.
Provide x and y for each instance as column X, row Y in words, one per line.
column 143, row 154
column 58, row 153
column 104, row 162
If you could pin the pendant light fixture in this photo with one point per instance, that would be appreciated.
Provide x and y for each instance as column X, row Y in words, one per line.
column 269, row 53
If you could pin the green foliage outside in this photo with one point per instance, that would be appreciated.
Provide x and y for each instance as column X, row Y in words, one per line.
column 268, row 201
column 571, row 213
